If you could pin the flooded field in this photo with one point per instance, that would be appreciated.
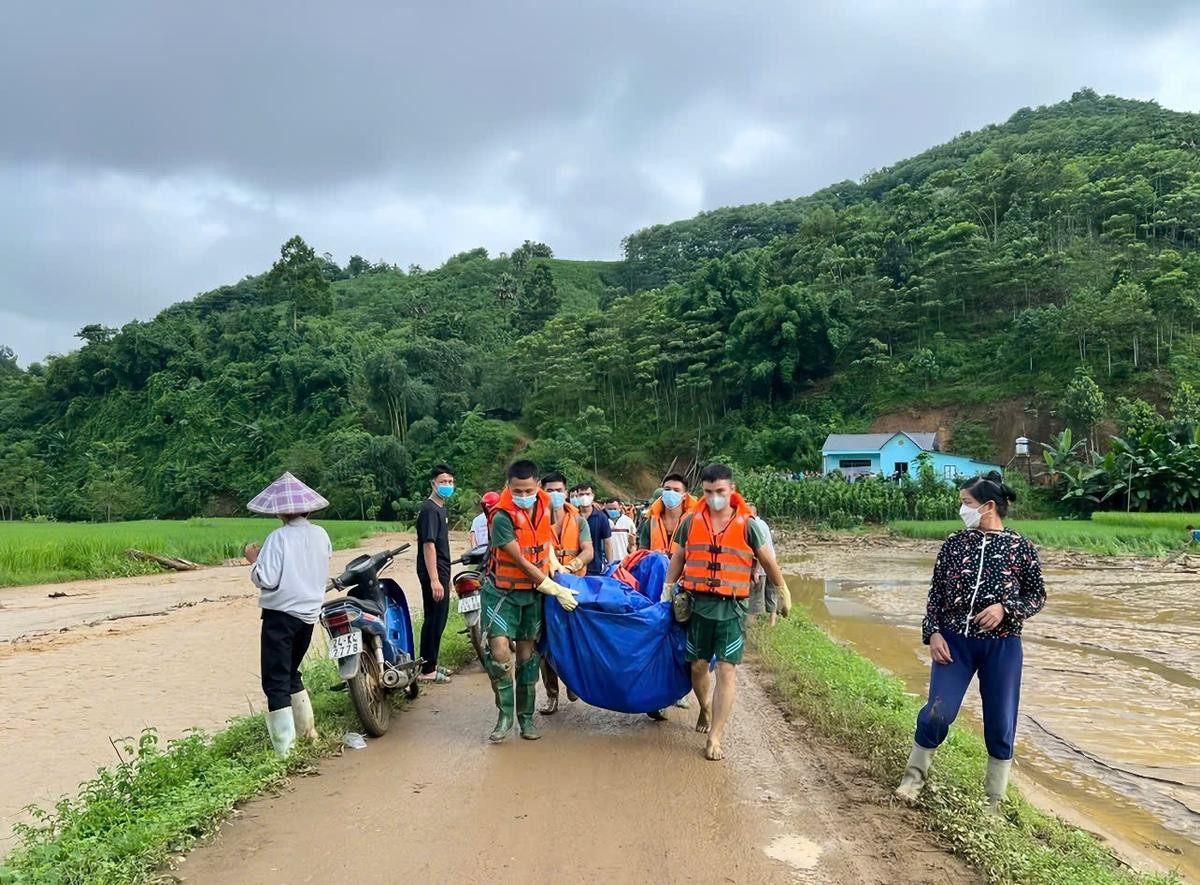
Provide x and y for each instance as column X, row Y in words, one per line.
column 1110, row 716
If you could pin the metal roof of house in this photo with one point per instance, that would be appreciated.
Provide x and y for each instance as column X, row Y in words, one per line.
column 870, row 442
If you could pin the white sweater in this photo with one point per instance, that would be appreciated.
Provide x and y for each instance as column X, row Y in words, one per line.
column 293, row 569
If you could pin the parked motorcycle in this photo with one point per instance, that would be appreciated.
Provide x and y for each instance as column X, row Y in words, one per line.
column 371, row 638
column 467, row 586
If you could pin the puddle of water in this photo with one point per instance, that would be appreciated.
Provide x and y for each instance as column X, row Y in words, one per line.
column 795, row 851
column 1110, row 724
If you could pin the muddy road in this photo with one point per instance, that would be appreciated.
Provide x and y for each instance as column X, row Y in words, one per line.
column 602, row 797
column 1109, row 735
column 112, row 657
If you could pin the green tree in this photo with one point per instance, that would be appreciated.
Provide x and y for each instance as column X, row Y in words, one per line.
column 298, row 277
column 1083, row 405
column 539, row 300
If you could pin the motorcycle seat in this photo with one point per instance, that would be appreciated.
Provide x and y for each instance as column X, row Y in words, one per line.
column 370, row 605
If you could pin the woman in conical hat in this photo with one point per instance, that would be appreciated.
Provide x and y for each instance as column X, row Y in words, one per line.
column 291, row 572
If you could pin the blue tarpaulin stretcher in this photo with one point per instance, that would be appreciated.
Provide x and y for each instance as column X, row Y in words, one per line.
column 621, row 649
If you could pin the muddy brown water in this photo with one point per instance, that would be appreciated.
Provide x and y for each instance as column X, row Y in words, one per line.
column 1109, row 734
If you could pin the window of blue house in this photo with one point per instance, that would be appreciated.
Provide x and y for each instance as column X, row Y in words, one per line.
column 846, row 462
column 951, row 471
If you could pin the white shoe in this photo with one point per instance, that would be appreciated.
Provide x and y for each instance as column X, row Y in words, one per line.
column 302, row 714
column 282, row 729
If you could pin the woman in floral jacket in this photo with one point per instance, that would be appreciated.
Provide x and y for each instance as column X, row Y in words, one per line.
column 986, row 582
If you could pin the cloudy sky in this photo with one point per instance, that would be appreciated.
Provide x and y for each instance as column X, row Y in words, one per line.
column 150, row 151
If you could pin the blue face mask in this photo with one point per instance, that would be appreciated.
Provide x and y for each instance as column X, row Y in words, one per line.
column 613, row 514
column 446, row 491
column 557, row 499
column 671, row 498
column 525, row 501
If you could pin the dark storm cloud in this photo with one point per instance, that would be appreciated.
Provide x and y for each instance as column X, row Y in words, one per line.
column 152, row 150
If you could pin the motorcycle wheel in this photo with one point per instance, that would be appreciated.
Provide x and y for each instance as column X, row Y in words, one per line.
column 369, row 697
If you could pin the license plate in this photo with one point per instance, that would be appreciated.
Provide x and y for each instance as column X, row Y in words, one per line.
column 345, row 646
column 469, row 603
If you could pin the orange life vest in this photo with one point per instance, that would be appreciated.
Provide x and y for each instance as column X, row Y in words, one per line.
column 535, row 536
column 721, row 563
column 660, row 538
column 567, row 545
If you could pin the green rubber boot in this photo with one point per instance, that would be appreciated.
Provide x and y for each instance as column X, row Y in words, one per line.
column 504, row 703
column 527, row 679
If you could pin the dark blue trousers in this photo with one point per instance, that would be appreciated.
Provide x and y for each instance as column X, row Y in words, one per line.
column 998, row 663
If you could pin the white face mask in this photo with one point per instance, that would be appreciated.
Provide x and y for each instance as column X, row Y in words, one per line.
column 717, row 502
column 584, row 501
column 970, row 516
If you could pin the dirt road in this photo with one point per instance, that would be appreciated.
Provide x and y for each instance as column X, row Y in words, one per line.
column 112, row 657
column 603, row 797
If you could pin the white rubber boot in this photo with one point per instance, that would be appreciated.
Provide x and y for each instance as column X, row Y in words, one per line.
column 282, row 729
column 915, row 773
column 996, row 783
column 302, row 714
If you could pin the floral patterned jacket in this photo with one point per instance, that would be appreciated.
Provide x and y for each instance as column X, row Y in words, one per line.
column 976, row 569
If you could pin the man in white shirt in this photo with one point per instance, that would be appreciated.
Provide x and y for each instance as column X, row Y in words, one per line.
column 291, row 571
column 480, row 533
column 624, row 532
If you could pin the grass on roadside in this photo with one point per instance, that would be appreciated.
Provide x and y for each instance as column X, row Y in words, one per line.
column 847, row 699
column 42, row 552
column 1103, row 535
column 132, row 820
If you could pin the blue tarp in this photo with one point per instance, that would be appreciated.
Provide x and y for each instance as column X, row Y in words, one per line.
column 620, row 649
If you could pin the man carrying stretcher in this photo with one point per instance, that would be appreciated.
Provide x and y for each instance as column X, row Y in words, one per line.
column 522, row 559
column 715, row 551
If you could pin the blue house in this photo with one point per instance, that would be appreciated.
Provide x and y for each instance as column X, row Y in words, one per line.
column 863, row 454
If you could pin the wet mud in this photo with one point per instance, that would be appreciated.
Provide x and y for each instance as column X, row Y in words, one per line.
column 602, row 797
column 1109, row 734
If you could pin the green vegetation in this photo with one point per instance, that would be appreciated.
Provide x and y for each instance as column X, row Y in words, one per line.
column 130, row 821
column 986, row 270
column 1153, row 464
column 1112, row 536
column 41, row 552
column 1176, row 522
column 840, row 504
column 850, row 702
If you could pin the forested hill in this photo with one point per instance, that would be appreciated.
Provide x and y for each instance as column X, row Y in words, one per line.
column 992, row 268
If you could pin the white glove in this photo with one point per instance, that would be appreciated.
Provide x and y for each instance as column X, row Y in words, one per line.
column 565, row 597
column 555, row 565
column 669, row 591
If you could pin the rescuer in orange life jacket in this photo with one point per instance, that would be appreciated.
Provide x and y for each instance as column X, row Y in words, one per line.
column 573, row 548
column 519, row 570
column 716, row 548
column 664, row 515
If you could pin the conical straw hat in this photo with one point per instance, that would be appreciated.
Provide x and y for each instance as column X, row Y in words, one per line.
column 286, row 495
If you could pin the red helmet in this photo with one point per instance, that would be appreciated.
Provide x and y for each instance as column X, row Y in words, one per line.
column 489, row 500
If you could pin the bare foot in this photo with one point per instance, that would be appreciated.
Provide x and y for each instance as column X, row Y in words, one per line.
column 550, row 707
column 713, row 751
column 702, row 721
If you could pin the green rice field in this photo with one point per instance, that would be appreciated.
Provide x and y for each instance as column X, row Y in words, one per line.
column 41, row 552
column 1113, row 534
